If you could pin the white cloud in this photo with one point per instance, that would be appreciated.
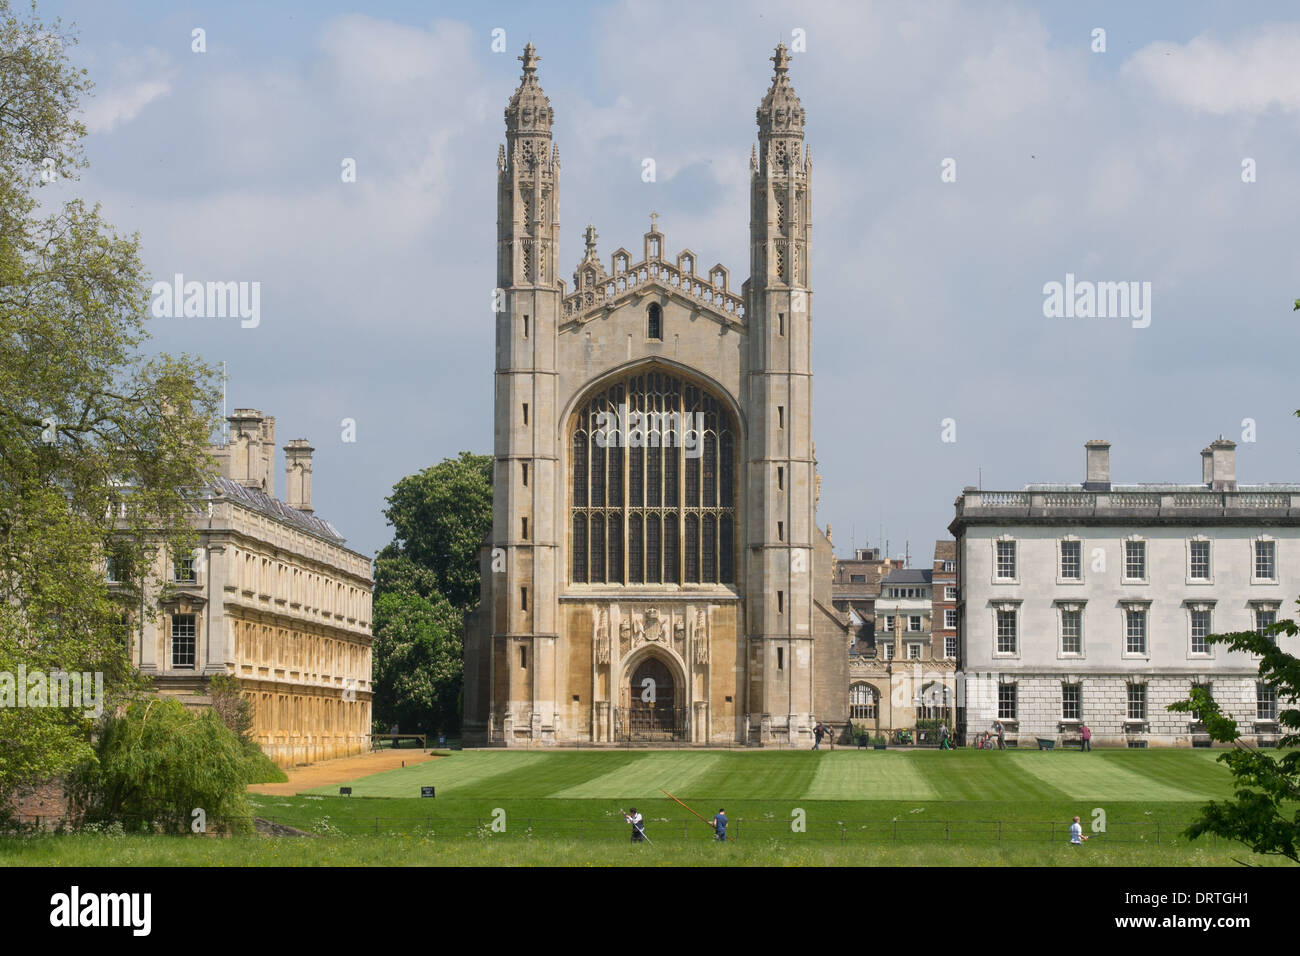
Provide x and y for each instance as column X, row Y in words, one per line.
column 122, row 104
column 1247, row 75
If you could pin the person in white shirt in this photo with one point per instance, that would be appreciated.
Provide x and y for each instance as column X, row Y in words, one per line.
column 638, row 825
column 1076, row 833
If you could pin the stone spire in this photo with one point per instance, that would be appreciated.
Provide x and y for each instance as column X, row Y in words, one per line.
column 780, row 113
column 529, row 109
column 590, row 236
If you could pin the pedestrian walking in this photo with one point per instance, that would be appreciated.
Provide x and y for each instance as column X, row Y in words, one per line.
column 720, row 825
column 1076, row 833
column 944, row 743
column 638, row 824
column 1002, row 735
column 1085, row 737
column 818, row 733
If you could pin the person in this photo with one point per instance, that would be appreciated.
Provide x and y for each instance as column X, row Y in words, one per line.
column 818, row 732
column 638, row 824
column 720, row 825
column 1085, row 737
column 943, row 738
column 1002, row 735
column 1076, row 833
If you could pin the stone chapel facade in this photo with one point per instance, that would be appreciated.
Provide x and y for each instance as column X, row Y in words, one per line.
column 655, row 569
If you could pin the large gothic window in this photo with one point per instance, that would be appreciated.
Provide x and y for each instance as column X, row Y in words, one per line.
column 652, row 501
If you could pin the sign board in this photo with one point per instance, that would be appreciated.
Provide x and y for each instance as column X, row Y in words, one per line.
column 426, row 791
column 345, row 791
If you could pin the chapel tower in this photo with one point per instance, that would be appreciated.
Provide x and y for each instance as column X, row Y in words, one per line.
column 525, row 554
column 781, row 468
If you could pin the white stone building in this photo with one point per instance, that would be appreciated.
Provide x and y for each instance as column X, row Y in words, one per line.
column 1090, row 602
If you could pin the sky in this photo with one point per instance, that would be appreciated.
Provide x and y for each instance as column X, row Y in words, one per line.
column 966, row 155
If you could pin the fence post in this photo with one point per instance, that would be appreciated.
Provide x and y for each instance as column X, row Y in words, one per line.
column 947, row 838
column 1157, row 833
column 895, row 832
column 843, row 836
column 999, row 833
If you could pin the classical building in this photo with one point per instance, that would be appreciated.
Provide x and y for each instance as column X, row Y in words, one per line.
column 271, row 596
column 1092, row 601
column 655, row 568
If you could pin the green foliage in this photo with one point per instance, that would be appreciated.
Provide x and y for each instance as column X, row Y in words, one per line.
column 440, row 518
column 425, row 581
column 1265, row 813
column 418, row 661
column 258, row 767
column 157, row 763
column 234, row 709
column 95, row 437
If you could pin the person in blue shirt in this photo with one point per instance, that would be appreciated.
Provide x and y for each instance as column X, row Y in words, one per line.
column 720, row 825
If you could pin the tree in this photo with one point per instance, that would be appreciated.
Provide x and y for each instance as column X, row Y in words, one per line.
column 1265, row 811
column 425, row 581
column 418, row 662
column 158, row 763
column 97, row 439
column 440, row 518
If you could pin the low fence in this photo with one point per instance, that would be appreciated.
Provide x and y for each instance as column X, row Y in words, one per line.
column 902, row 831
column 892, row 832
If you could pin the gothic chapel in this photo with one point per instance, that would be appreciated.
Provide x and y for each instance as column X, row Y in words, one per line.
column 655, row 570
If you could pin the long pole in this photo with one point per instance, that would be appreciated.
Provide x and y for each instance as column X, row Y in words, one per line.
column 675, row 800
column 645, row 836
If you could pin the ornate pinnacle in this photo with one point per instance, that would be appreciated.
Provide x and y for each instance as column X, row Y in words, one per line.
column 781, row 60
column 530, row 59
column 753, row 158
column 590, row 236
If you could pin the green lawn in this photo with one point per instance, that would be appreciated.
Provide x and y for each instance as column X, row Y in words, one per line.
column 845, row 807
column 924, row 775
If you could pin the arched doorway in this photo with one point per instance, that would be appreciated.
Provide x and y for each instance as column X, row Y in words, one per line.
column 650, row 707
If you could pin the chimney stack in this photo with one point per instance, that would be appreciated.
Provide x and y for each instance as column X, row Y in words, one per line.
column 1221, row 461
column 1098, row 452
column 297, row 474
column 250, row 455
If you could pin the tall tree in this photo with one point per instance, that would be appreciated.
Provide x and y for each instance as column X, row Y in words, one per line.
column 96, row 437
column 425, row 581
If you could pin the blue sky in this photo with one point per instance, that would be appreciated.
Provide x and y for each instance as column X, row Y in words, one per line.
column 1124, row 165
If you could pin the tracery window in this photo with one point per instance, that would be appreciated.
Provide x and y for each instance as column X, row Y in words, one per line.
column 653, row 476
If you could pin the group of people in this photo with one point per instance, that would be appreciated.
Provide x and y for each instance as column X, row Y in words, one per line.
column 638, row 825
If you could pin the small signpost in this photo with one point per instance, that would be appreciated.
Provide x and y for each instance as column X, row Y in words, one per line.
column 345, row 791
column 426, row 791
